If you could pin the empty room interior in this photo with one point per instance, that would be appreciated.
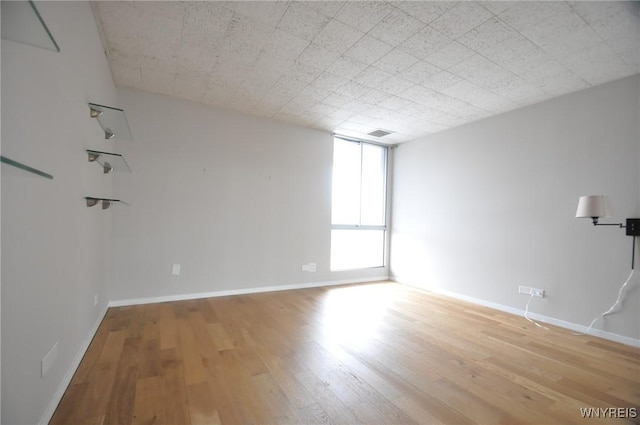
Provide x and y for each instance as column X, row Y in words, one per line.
column 320, row 212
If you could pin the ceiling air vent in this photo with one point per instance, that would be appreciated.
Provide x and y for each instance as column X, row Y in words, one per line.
column 380, row 133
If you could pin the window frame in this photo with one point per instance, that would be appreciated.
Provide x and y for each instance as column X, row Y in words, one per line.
column 385, row 201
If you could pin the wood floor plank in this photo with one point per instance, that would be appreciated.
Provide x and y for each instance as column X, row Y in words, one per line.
column 380, row 383
column 149, row 407
column 313, row 414
column 220, row 337
column 329, row 402
column 420, row 413
column 202, row 406
column 67, row 410
column 194, row 371
column 378, row 353
column 274, row 401
column 91, row 356
column 175, row 391
column 225, row 389
column 168, row 327
column 206, row 344
column 100, row 380
column 284, row 377
column 121, row 402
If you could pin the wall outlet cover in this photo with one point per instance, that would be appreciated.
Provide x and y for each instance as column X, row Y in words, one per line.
column 527, row 290
column 537, row 292
column 524, row 290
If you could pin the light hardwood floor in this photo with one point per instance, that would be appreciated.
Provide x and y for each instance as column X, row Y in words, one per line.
column 379, row 353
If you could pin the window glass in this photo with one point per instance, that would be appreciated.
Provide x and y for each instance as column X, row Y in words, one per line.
column 358, row 205
column 356, row 249
column 373, row 185
column 346, row 183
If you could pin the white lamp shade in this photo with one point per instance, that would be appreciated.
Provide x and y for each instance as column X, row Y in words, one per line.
column 593, row 206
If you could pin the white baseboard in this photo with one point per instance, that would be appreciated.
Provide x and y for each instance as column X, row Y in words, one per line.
column 66, row 380
column 193, row 296
column 539, row 317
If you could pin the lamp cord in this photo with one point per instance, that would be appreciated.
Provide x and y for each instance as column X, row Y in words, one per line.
column 622, row 293
column 526, row 314
column 616, row 306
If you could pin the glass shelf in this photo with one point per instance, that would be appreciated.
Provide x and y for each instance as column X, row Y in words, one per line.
column 112, row 120
column 109, row 161
column 106, row 202
column 22, row 22
column 24, row 167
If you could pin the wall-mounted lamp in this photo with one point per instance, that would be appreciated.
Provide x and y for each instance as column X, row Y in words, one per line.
column 597, row 206
column 593, row 206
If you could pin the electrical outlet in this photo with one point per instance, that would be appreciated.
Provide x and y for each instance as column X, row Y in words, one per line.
column 95, row 300
column 527, row 290
column 537, row 292
column 175, row 270
column 311, row 267
column 524, row 290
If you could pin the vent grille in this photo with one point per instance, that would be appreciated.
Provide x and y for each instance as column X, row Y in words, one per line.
column 380, row 133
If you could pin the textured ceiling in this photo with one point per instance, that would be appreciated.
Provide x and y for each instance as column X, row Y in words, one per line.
column 353, row 67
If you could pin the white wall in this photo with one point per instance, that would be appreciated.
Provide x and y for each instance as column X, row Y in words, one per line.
column 240, row 202
column 55, row 251
column 483, row 208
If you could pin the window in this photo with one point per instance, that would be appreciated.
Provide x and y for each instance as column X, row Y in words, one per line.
column 358, row 219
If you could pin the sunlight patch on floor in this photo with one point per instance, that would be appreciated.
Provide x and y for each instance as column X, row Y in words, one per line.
column 353, row 316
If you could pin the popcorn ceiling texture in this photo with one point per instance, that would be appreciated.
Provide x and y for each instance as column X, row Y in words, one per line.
column 351, row 67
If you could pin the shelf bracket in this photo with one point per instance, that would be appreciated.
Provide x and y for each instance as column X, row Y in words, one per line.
column 94, row 156
column 94, row 113
column 108, row 161
column 112, row 121
column 106, row 202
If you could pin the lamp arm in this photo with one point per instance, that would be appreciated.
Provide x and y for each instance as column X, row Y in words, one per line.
column 594, row 220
